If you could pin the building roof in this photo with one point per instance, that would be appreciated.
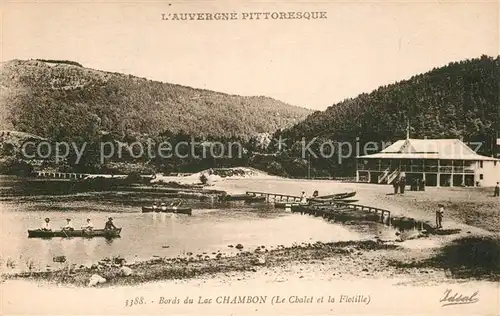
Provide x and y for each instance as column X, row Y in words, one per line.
column 453, row 149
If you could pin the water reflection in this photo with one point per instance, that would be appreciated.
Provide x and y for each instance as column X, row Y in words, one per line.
column 155, row 234
column 109, row 241
column 89, row 245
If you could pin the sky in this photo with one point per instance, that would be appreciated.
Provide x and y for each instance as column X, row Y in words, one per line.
column 311, row 63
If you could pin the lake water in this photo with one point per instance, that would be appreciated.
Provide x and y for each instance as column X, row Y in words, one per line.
column 212, row 228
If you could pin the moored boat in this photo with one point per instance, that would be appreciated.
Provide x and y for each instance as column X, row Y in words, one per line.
column 337, row 196
column 108, row 233
column 168, row 209
column 332, row 202
column 248, row 198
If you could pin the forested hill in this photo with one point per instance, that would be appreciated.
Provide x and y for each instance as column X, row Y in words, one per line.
column 62, row 99
column 460, row 100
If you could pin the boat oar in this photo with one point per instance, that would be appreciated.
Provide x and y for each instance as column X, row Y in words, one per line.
column 64, row 231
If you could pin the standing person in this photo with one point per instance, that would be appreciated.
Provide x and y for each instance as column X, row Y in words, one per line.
column 497, row 190
column 422, row 185
column 402, row 184
column 46, row 225
column 439, row 216
column 395, row 185
column 303, row 198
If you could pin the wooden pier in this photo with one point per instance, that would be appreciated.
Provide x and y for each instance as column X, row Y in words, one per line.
column 275, row 197
column 339, row 211
column 343, row 211
column 60, row 175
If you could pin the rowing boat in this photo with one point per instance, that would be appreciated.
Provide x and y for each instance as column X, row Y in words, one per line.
column 108, row 233
column 168, row 209
column 334, row 202
column 243, row 197
column 337, row 196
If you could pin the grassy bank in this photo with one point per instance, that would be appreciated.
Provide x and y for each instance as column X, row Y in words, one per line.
column 465, row 258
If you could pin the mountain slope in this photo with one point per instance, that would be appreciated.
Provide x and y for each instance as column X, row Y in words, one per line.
column 61, row 99
column 460, row 100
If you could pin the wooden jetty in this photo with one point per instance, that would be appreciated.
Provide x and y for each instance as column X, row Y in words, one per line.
column 60, row 175
column 345, row 211
column 342, row 212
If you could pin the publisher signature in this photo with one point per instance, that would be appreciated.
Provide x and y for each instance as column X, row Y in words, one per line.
column 451, row 298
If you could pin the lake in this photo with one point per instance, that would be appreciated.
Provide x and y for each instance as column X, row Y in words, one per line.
column 211, row 229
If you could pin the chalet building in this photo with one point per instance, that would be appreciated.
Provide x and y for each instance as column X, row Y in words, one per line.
column 439, row 162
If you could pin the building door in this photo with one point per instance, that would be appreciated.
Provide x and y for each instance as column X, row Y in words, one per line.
column 431, row 179
column 469, row 180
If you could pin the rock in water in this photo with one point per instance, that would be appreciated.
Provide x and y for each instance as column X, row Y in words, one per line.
column 126, row 271
column 96, row 279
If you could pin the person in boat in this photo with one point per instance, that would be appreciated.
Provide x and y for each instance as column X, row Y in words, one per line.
column 46, row 225
column 69, row 225
column 163, row 206
column 109, row 224
column 155, row 206
column 88, row 225
column 315, row 194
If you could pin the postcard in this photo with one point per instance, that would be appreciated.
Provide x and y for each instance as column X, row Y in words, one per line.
column 249, row 158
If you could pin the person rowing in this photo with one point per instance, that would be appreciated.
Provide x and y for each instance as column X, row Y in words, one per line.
column 46, row 225
column 109, row 224
column 88, row 225
column 69, row 225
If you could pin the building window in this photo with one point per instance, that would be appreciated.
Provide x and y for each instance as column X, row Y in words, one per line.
column 480, row 164
column 481, row 176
